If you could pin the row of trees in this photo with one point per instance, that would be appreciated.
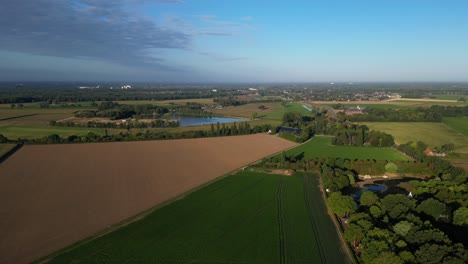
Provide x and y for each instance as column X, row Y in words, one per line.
column 116, row 111
column 218, row 130
column 129, row 124
column 70, row 94
column 345, row 132
column 430, row 114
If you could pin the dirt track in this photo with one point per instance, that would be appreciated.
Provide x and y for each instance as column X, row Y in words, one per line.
column 54, row 195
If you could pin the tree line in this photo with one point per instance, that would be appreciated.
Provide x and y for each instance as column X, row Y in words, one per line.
column 233, row 129
column 434, row 113
column 344, row 131
column 129, row 124
column 14, row 95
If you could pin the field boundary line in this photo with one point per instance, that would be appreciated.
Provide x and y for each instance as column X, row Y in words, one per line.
column 345, row 247
column 312, row 220
column 279, row 199
column 451, row 128
column 143, row 214
column 15, row 117
column 10, row 152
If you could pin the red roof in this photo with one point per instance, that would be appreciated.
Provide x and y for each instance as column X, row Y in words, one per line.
column 428, row 151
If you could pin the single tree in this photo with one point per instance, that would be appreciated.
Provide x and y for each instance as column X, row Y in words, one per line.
column 342, row 205
column 434, row 208
column 397, row 205
column 368, row 198
column 460, row 216
column 402, row 228
column 391, row 167
column 254, row 115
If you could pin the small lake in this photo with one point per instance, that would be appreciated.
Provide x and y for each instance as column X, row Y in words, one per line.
column 376, row 187
column 371, row 187
column 200, row 120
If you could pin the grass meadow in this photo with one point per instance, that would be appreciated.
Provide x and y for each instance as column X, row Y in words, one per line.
column 32, row 121
column 246, row 110
column 433, row 134
column 321, row 147
column 289, row 107
column 273, row 111
column 460, row 124
column 248, row 217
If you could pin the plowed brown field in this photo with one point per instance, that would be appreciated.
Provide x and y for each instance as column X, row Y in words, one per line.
column 54, row 195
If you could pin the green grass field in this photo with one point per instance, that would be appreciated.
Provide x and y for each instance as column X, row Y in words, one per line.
column 274, row 111
column 243, row 218
column 433, row 134
column 320, row 146
column 460, row 124
column 290, row 107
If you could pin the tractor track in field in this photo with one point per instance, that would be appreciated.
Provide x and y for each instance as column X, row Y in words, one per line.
column 279, row 197
column 312, row 221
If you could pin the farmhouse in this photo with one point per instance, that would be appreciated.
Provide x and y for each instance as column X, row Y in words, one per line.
column 431, row 153
column 354, row 110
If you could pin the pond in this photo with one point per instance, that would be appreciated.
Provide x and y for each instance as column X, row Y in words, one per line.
column 201, row 120
column 370, row 187
column 376, row 187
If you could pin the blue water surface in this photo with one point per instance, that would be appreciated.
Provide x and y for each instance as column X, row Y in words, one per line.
column 199, row 120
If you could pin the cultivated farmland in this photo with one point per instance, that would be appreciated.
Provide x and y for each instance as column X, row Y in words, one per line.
column 244, row 218
column 321, row 147
column 54, row 195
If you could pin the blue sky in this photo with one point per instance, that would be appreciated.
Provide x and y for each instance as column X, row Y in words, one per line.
column 233, row 41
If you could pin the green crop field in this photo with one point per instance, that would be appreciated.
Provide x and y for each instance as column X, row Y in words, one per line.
column 320, row 146
column 15, row 132
column 460, row 124
column 433, row 134
column 243, row 218
column 246, row 110
column 273, row 111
